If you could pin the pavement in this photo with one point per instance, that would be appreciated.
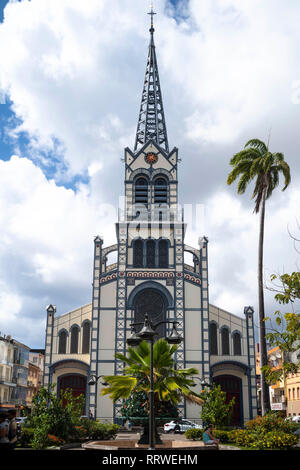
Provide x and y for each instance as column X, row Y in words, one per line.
column 164, row 437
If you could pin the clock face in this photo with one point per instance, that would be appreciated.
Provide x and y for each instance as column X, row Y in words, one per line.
column 151, row 158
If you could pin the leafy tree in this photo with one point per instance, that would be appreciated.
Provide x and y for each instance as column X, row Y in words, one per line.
column 215, row 410
column 54, row 415
column 286, row 333
column 170, row 384
column 135, row 408
column 256, row 162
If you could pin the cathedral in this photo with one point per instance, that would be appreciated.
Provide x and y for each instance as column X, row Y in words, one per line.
column 150, row 276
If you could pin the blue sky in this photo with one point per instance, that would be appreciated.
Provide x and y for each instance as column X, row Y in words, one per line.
column 73, row 72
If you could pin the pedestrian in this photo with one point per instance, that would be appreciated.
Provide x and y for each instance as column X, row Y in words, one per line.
column 208, row 437
column 12, row 429
column 4, row 441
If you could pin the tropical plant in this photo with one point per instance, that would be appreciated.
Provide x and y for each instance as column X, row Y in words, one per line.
column 215, row 410
column 256, row 162
column 285, row 333
column 54, row 415
column 170, row 384
column 194, row 434
column 135, row 408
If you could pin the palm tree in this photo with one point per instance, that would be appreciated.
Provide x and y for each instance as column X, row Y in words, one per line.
column 170, row 384
column 256, row 162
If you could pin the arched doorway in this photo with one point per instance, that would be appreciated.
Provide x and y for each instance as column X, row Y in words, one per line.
column 150, row 301
column 75, row 382
column 232, row 386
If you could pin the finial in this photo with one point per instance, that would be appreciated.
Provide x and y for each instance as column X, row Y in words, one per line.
column 151, row 13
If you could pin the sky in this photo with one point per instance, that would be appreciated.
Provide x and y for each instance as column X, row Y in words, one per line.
column 71, row 79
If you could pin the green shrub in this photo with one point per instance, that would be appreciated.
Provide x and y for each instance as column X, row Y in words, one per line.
column 270, row 422
column 103, row 431
column 255, row 439
column 194, row 434
column 222, row 435
column 275, row 440
column 26, row 437
column 241, row 437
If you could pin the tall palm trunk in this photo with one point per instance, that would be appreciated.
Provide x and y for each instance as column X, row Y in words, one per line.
column 265, row 398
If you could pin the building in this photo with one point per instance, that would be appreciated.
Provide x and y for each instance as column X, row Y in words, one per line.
column 293, row 395
column 285, row 393
column 6, row 373
column 20, row 373
column 35, row 374
column 277, row 390
column 151, row 276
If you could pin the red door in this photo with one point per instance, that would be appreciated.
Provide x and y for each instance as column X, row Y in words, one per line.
column 77, row 383
column 232, row 386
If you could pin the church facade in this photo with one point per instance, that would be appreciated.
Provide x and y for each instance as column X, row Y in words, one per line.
column 150, row 276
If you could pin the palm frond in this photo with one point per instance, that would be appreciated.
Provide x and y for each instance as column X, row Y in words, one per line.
column 258, row 145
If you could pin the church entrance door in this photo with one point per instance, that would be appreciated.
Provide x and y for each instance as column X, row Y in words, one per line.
column 232, row 386
column 77, row 383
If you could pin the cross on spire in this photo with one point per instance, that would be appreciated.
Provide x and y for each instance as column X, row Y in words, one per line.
column 151, row 13
column 151, row 122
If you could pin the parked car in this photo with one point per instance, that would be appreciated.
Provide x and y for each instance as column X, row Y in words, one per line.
column 180, row 426
column 296, row 419
column 21, row 419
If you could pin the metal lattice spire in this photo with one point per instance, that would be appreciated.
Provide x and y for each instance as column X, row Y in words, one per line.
column 151, row 123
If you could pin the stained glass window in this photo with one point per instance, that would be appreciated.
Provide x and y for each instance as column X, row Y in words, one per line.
column 163, row 254
column 138, row 248
column 150, row 301
column 62, row 343
column 213, row 339
column 150, row 254
column 74, row 340
column 86, row 329
column 237, row 350
column 225, row 341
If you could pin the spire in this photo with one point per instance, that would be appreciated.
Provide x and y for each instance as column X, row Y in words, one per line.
column 151, row 123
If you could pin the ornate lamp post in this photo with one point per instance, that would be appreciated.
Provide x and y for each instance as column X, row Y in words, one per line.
column 94, row 379
column 147, row 333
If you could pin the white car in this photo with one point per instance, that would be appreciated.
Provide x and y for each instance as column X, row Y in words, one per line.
column 180, row 426
column 296, row 419
column 21, row 419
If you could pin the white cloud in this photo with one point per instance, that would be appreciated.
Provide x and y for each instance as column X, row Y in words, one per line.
column 74, row 72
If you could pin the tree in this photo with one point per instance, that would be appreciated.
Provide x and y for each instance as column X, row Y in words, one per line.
column 256, row 162
column 286, row 333
column 170, row 384
column 215, row 410
column 54, row 415
column 135, row 409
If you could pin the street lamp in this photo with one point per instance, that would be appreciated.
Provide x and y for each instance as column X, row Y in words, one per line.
column 202, row 382
column 94, row 379
column 147, row 333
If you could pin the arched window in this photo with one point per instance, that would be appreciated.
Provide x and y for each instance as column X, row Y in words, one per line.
column 225, row 341
column 213, row 339
column 74, row 339
column 160, row 191
column 163, row 254
column 152, row 303
column 237, row 346
column 150, row 254
column 141, row 191
column 62, row 342
column 86, row 331
column 138, row 255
